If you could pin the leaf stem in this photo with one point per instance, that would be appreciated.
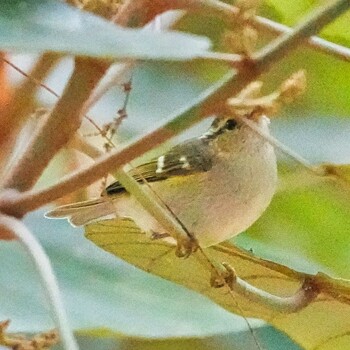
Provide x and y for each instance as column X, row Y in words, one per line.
column 303, row 297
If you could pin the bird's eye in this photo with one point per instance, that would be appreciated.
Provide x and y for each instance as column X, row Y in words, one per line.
column 230, row 124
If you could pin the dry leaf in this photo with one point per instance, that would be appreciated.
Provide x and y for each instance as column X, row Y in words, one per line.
column 323, row 325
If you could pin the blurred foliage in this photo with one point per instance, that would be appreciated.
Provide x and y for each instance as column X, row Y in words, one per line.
column 289, row 13
column 81, row 33
column 103, row 293
column 311, row 327
column 306, row 226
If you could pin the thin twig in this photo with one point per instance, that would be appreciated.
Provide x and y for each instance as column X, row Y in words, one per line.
column 209, row 264
column 313, row 24
column 229, row 12
column 57, row 129
column 117, row 72
column 314, row 42
column 280, row 146
column 30, row 76
column 22, row 102
column 211, row 101
column 88, row 105
column 115, row 76
column 43, row 266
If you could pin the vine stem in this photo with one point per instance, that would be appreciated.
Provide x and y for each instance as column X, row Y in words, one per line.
column 283, row 148
column 43, row 266
column 210, row 102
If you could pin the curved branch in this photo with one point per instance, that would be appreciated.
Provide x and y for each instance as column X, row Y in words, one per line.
column 302, row 298
column 44, row 269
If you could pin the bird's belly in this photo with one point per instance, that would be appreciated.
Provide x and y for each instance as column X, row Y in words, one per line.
column 210, row 212
column 215, row 213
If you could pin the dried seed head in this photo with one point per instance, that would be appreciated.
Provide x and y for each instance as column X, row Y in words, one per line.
column 293, row 87
column 248, row 101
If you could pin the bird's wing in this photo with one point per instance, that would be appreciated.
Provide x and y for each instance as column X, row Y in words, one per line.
column 187, row 158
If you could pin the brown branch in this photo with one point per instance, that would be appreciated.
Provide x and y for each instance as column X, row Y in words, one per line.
column 132, row 10
column 22, row 102
column 212, row 101
column 313, row 24
column 58, row 128
column 314, row 42
column 229, row 12
column 6, row 91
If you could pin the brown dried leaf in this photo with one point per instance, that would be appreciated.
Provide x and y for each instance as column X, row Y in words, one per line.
column 42, row 341
column 323, row 324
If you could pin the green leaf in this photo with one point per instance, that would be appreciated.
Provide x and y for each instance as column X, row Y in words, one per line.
column 311, row 327
column 111, row 303
column 290, row 12
column 314, row 221
column 102, row 339
column 46, row 25
column 101, row 291
column 339, row 30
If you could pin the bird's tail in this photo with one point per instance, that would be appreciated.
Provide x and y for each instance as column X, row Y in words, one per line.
column 81, row 213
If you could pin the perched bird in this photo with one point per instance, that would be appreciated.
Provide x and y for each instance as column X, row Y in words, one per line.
column 217, row 185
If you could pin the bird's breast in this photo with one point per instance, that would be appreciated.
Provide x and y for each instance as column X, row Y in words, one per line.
column 227, row 199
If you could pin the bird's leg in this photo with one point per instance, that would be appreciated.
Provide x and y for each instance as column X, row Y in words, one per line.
column 221, row 276
column 156, row 235
column 226, row 275
column 185, row 247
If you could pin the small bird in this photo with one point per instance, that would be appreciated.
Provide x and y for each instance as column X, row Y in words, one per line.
column 217, row 185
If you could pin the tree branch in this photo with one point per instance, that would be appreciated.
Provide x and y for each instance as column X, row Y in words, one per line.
column 294, row 303
column 22, row 102
column 229, row 12
column 211, row 101
column 224, row 11
column 57, row 129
